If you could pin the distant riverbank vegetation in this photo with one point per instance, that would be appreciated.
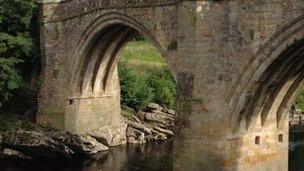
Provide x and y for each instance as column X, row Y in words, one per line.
column 19, row 52
column 300, row 100
column 144, row 76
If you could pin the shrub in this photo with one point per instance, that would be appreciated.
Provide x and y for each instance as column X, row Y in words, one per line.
column 138, row 89
column 9, row 78
column 164, row 87
column 135, row 93
column 17, row 43
column 300, row 100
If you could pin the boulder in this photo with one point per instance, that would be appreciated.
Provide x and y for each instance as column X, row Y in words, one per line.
column 128, row 109
column 140, row 115
column 129, row 114
column 49, row 144
column 135, row 119
column 35, row 144
column 111, row 136
column 140, row 127
column 153, row 107
column 9, row 153
column 102, row 137
column 168, row 133
column 159, row 119
column 169, row 111
column 156, row 136
column 135, row 136
column 130, row 117
column 79, row 144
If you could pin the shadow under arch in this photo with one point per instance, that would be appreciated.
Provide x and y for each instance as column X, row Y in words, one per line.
column 265, row 117
column 94, row 82
column 262, row 97
column 108, row 26
column 265, row 71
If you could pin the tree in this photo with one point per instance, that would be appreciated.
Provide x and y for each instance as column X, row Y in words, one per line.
column 17, row 43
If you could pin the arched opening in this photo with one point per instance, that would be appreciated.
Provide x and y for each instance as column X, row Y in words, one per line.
column 95, row 99
column 273, row 92
column 267, row 100
column 148, row 91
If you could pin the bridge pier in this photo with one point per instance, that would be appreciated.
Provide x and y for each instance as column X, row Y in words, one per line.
column 211, row 145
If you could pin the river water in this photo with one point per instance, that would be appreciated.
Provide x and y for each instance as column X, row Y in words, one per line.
column 156, row 156
column 296, row 155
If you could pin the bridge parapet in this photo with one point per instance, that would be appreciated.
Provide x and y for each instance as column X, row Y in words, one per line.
column 59, row 10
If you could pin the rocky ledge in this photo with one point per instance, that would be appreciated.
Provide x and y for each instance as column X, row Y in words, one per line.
column 34, row 141
column 153, row 124
column 55, row 144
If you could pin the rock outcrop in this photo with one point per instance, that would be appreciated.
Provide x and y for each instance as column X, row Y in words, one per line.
column 79, row 144
column 49, row 144
column 153, row 124
column 34, row 141
column 112, row 136
column 158, row 116
column 135, row 136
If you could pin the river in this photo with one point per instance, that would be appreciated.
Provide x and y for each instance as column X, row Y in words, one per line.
column 156, row 156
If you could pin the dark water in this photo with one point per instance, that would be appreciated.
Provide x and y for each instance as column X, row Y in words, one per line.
column 149, row 157
column 296, row 159
column 156, row 156
column 296, row 155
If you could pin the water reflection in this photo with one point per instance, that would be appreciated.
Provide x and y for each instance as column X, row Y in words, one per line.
column 154, row 156
column 296, row 157
column 149, row 157
column 296, row 154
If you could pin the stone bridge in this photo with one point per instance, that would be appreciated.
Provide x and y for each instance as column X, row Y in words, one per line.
column 238, row 65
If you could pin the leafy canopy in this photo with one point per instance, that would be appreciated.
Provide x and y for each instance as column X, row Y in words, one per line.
column 17, row 45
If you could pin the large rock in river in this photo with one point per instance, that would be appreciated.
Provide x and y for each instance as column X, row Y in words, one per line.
column 79, row 144
column 111, row 136
column 159, row 119
column 135, row 136
column 51, row 144
column 35, row 144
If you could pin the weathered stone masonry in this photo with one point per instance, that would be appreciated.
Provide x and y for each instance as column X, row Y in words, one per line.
column 238, row 65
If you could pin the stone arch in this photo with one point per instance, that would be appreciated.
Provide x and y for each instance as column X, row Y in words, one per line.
column 271, row 79
column 104, row 26
column 94, row 88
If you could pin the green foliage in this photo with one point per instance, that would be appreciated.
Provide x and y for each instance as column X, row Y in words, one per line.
column 8, row 122
column 134, row 92
column 300, row 100
column 138, row 90
column 144, row 77
column 141, row 50
column 163, row 85
column 17, row 45
column 9, row 78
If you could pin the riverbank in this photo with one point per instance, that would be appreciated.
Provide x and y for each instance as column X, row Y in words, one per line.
column 21, row 138
column 152, row 156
